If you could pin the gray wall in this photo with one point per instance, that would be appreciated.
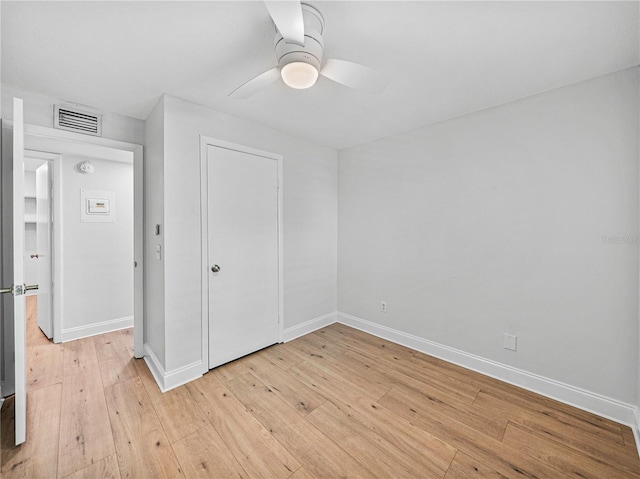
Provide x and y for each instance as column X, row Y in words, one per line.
column 154, row 330
column 522, row 218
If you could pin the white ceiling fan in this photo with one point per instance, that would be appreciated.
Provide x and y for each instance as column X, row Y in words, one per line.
column 299, row 48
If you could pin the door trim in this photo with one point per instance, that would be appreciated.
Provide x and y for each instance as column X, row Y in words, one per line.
column 206, row 141
column 54, row 211
column 43, row 132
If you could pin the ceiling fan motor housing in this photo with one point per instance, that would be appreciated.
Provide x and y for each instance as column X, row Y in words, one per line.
column 312, row 50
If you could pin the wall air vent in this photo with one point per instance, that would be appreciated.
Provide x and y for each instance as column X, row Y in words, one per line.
column 80, row 121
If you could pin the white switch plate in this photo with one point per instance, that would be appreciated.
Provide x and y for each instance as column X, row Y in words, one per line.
column 383, row 306
column 510, row 341
column 158, row 251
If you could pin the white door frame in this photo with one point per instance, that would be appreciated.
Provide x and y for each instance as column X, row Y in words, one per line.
column 54, row 171
column 206, row 141
column 41, row 132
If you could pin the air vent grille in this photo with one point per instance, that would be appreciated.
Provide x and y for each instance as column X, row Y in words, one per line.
column 77, row 120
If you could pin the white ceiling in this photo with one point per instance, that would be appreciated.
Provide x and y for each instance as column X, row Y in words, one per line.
column 445, row 58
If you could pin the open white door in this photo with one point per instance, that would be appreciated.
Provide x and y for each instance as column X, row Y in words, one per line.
column 43, row 241
column 13, row 254
column 19, row 306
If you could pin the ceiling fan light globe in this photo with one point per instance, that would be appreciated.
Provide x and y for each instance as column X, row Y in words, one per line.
column 299, row 75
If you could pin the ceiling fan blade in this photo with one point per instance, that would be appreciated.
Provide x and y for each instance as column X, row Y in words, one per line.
column 255, row 84
column 355, row 75
column 287, row 15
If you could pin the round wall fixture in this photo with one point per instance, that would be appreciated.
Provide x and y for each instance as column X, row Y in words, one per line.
column 85, row 167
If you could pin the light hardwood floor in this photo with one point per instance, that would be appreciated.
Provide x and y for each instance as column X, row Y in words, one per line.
column 334, row 403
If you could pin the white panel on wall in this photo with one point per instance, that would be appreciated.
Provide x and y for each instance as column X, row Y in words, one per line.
column 97, row 206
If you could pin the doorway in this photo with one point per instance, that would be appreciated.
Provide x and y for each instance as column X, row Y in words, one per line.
column 38, row 240
column 74, row 150
column 242, row 248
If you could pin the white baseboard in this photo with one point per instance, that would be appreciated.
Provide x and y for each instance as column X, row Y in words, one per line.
column 80, row 332
column 636, row 429
column 172, row 379
column 309, row 326
column 603, row 406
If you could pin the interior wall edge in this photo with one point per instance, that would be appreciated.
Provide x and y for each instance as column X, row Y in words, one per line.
column 609, row 408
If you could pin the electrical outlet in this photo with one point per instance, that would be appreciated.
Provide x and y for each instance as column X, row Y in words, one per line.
column 383, row 306
column 510, row 341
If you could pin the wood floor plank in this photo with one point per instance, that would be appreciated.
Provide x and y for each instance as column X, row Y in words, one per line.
column 371, row 340
column 319, row 455
column 467, row 467
column 38, row 457
column 110, row 346
column 279, row 355
column 598, row 448
column 150, row 384
column 561, row 457
column 35, row 336
column 630, row 441
column 106, row 468
column 259, row 453
column 79, row 353
column 84, row 420
column 179, row 413
column 421, row 372
column 302, row 473
column 517, row 395
column 44, row 366
column 400, row 411
column 295, row 393
column 141, row 444
column 333, row 369
column 231, row 370
column 7, row 424
column 322, row 344
column 493, row 453
column 431, row 453
column 561, row 413
column 381, row 457
column 439, row 399
column 126, row 338
column 203, row 454
column 328, row 383
column 307, row 350
column 117, row 370
column 461, row 375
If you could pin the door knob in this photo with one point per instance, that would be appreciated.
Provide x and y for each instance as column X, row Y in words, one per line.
column 215, row 268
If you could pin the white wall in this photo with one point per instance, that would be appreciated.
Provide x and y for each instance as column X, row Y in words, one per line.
column 154, row 330
column 38, row 110
column 522, row 218
column 97, row 258
column 310, row 211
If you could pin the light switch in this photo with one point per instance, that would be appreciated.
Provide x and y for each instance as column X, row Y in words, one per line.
column 158, row 251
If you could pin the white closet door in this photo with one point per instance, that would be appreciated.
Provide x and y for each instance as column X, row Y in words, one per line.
column 242, row 253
